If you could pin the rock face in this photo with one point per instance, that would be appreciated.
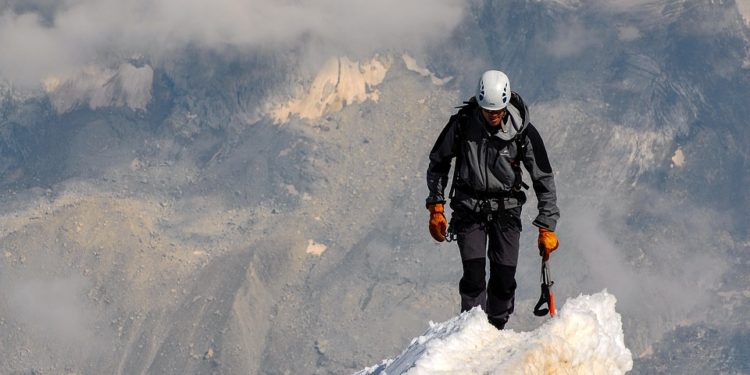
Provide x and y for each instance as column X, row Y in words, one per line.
column 127, row 86
column 234, row 213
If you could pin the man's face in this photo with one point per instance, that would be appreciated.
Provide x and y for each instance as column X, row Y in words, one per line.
column 493, row 118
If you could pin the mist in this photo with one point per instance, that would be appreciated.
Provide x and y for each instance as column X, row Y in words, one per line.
column 200, row 231
column 42, row 39
column 53, row 318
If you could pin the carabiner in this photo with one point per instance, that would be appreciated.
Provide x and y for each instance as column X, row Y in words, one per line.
column 449, row 235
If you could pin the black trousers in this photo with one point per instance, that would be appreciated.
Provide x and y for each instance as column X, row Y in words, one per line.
column 498, row 241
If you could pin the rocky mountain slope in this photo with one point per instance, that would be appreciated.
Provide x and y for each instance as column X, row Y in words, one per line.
column 236, row 213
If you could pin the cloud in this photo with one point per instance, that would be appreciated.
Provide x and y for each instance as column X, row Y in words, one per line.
column 53, row 307
column 41, row 38
column 625, row 5
column 570, row 40
column 609, row 5
column 55, row 317
column 663, row 267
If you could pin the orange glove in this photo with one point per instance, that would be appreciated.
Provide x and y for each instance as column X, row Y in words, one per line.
column 547, row 243
column 438, row 223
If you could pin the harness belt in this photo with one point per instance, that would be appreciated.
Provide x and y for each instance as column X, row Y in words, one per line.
column 484, row 195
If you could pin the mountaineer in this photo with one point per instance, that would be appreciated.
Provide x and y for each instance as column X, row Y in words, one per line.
column 490, row 137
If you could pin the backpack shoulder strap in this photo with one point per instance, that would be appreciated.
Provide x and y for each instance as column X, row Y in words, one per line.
column 461, row 117
column 520, row 140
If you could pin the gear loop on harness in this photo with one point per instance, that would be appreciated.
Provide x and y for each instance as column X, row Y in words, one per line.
column 450, row 235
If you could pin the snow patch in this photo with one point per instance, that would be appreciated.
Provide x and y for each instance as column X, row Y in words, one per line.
column 315, row 248
column 678, row 159
column 411, row 64
column 340, row 82
column 96, row 87
column 744, row 8
column 585, row 337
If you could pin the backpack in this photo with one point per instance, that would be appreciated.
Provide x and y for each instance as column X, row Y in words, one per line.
column 520, row 140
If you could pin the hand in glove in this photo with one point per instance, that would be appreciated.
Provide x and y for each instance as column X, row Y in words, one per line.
column 438, row 224
column 547, row 243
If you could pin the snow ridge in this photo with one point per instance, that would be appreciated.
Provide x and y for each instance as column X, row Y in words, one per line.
column 586, row 337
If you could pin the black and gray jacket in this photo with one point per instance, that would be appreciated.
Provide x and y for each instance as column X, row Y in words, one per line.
column 487, row 163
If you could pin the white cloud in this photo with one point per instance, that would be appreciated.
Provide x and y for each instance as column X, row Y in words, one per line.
column 570, row 40
column 625, row 5
column 628, row 33
column 44, row 38
column 55, row 315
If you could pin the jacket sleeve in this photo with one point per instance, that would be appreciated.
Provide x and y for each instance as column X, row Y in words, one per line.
column 543, row 180
column 440, row 161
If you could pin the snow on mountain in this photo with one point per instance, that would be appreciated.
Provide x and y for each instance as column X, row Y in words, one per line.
column 340, row 82
column 585, row 337
column 411, row 64
column 744, row 8
column 195, row 234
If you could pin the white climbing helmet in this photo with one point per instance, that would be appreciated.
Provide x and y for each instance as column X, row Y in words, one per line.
column 493, row 90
